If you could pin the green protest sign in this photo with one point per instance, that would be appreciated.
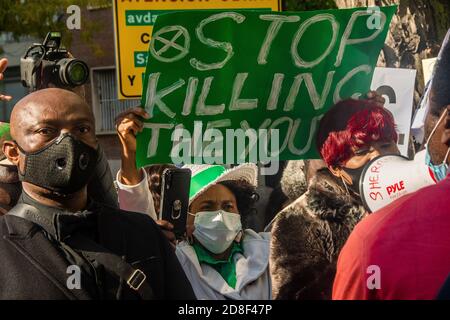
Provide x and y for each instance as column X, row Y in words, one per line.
column 213, row 78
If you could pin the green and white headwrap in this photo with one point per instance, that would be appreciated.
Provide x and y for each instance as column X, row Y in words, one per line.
column 204, row 176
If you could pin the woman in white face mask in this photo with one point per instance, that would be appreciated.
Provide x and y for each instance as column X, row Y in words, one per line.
column 215, row 222
column 221, row 258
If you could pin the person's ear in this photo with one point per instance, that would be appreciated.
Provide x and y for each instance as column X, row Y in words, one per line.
column 335, row 170
column 339, row 173
column 11, row 151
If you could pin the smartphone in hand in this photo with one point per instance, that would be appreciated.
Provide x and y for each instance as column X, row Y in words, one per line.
column 175, row 188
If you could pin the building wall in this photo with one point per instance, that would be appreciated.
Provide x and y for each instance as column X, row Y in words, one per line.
column 98, row 52
column 103, row 37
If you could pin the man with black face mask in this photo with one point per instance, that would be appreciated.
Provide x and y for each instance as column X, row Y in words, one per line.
column 57, row 243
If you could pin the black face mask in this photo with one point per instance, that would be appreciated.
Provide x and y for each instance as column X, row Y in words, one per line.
column 64, row 166
column 355, row 175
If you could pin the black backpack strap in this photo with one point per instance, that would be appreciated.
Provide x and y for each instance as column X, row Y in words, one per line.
column 30, row 213
column 135, row 278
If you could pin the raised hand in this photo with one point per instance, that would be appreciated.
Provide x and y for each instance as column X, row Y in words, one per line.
column 3, row 65
column 128, row 124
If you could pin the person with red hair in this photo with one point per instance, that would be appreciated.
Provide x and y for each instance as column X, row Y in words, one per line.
column 352, row 133
column 401, row 252
column 308, row 235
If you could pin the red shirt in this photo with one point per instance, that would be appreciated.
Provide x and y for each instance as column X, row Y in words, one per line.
column 409, row 241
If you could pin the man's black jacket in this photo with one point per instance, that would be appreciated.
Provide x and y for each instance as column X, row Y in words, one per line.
column 32, row 266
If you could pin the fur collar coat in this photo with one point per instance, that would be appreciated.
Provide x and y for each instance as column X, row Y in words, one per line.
column 307, row 237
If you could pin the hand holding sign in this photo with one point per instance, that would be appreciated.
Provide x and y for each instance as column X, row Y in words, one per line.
column 376, row 97
column 3, row 65
column 128, row 125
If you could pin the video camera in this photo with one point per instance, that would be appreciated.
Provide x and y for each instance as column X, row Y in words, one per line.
column 49, row 63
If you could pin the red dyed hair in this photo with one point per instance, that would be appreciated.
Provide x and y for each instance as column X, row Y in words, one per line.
column 364, row 122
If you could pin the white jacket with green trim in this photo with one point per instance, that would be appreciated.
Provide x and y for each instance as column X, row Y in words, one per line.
column 252, row 271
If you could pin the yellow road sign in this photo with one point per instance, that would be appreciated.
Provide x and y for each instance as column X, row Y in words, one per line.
column 133, row 24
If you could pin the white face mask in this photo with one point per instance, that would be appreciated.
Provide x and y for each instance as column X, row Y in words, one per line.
column 216, row 230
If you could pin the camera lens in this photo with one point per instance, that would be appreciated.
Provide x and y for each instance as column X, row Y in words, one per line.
column 77, row 73
column 73, row 72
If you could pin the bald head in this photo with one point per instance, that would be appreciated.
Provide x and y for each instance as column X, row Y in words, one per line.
column 46, row 104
